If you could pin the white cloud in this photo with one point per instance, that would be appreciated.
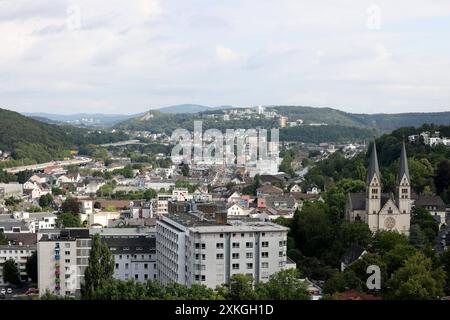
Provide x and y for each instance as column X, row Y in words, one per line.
column 151, row 53
column 226, row 54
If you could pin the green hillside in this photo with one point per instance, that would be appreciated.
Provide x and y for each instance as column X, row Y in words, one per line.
column 36, row 141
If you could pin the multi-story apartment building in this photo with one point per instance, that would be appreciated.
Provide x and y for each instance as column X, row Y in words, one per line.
column 63, row 256
column 197, row 248
column 20, row 256
column 134, row 252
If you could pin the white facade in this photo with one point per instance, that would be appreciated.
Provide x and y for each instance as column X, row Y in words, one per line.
column 19, row 254
column 209, row 253
column 62, row 260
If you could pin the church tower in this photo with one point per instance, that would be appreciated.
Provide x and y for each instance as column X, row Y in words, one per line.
column 373, row 192
column 403, row 184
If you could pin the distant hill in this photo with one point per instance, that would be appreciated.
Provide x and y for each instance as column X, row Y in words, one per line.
column 381, row 122
column 38, row 141
column 341, row 124
column 97, row 120
column 184, row 108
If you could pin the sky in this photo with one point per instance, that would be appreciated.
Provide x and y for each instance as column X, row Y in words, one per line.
column 124, row 57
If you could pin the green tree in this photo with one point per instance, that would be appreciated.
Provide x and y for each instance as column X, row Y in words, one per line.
column 3, row 240
column 442, row 177
column 417, row 280
column 240, row 287
column 31, row 267
column 354, row 233
column 45, row 200
column 11, row 272
column 71, row 205
column 68, row 220
column 417, row 237
column 283, row 285
column 396, row 257
column 342, row 281
column 387, row 240
column 150, row 194
column 100, row 269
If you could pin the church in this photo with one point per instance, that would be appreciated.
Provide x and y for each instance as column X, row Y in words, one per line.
column 383, row 211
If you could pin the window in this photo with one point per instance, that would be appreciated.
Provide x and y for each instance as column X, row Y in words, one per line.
column 265, row 265
column 235, row 245
column 145, row 276
column 117, row 266
column 221, row 235
column 235, row 256
column 280, row 253
column 249, row 255
column 67, row 260
column 265, row 244
column 203, row 278
column 235, row 266
column 67, row 245
column 145, row 266
column 126, row 266
column 66, row 252
column 249, row 245
column 263, row 234
column 219, row 256
column 219, row 245
column 197, row 277
column 249, row 265
column 280, row 243
column 136, row 276
column 264, row 254
column 242, row 235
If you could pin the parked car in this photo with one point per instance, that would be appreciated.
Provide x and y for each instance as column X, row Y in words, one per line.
column 3, row 291
column 9, row 291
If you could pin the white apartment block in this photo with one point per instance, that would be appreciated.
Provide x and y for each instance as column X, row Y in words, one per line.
column 192, row 249
column 62, row 259
column 134, row 257
column 20, row 256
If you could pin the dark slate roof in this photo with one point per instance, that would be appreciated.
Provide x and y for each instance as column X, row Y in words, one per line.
column 373, row 165
column 358, row 200
column 434, row 201
column 352, row 255
column 130, row 245
column 403, row 170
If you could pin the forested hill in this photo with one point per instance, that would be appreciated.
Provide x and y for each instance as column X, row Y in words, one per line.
column 381, row 122
column 156, row 121
column 429, row 166
column 37, row 141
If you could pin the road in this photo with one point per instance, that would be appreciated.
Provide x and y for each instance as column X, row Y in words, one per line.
column 41, row 166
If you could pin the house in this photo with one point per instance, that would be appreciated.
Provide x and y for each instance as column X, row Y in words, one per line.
column 313, row 190
column 268, row 190
column 295, row 188
column 435, row 206
column 236, row 209
column 234, row 197
column 352, row 255
column 99, row 218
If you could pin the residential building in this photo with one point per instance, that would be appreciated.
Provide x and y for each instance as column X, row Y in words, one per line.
column 194, row 248
column 18, row 253
column 63, row 256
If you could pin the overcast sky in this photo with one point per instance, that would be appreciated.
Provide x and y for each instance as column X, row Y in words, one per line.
column 114, row 56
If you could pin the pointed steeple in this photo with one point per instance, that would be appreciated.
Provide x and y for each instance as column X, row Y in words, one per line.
column 403, row 170
column 373, row 165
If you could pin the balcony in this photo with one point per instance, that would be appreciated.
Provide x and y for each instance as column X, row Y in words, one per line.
column 57, row 257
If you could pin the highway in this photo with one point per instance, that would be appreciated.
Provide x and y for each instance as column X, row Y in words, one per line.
column 41, row 166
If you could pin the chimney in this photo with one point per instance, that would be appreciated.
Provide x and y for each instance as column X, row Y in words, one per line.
column 221, row 217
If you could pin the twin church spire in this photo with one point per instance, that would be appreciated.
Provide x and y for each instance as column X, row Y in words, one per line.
column 374, row 169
